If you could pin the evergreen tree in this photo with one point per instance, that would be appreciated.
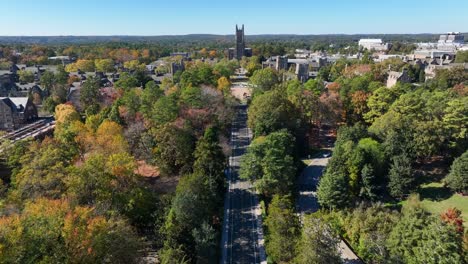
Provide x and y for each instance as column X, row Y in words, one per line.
column 283, row 230
column 401, row 178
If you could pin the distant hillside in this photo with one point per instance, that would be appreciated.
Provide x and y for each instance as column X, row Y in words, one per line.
column 212, row 38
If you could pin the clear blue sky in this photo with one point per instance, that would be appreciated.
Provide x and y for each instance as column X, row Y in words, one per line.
column 166, row 17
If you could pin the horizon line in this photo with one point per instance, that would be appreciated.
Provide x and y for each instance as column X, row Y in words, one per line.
column 213, row 34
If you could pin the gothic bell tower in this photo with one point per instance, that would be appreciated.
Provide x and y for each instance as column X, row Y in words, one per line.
column 240, row 42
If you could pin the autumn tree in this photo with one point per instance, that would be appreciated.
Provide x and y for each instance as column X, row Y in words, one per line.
column 53, row 231
column 104, row 65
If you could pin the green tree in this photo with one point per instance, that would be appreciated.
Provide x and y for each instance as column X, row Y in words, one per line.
column 47, row 80
column 421, row 238
column 26, row 76
column 457, row 179
column 173, row 152
column 318, row 243
column 43, row 170
column 461, row 57
column 264, row 80
column 270, row 164
column 192, row 97
column 367, row 229
column 401, row 178
column 211, row 162
column 206, row 243
column 127, row 81
column 271, row 112
column 379, row 103
column 104, row 65
column 283, row 230
column 90, row 95
column 164, row 110
column 332, row 191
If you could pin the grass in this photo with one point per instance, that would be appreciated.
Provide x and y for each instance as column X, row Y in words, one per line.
column 436, row 199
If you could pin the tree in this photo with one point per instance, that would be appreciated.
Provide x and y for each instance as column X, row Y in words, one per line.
column 379, row 103
column 53, row 231
column 283, row 230
column 43, row 169
column 367, row 229
column 252, row 65
column 104, row 65
column 461, row 57
column 210, row 162
column 174, row 148
column 192, row 97
column 127, row 81
column 224, row 84
column 270, row 164
column 457, row 179
column 149, row 95
column 26, row 76
column 47, row 80
column 82, row 65
column 455, row 120
column 332, row 191
column 103, row 180
column 421, row 238
column 134, row 65
column 401, row 178
column 264, row 80
column 90, row 95
column 453, row 217
column 318, row 243
column 271, row 112
column 206, row 244
column 164, row 110
column 65, row 116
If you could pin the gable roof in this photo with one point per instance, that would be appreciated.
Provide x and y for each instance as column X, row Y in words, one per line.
column 17, row 104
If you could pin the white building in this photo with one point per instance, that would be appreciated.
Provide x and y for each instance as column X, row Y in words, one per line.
column 451, row 41
column 374, row 44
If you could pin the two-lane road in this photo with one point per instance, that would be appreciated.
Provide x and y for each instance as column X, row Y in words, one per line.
column 242, row 240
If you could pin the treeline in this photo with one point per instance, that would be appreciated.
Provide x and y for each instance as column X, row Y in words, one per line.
column 81, row 197
column 36, row 50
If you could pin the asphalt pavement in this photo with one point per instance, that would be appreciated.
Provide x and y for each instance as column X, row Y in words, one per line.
column 242, row 239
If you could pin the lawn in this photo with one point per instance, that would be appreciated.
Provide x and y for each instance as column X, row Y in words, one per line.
column 436, row 198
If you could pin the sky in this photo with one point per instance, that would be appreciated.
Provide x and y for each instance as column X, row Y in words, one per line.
column 179, row 17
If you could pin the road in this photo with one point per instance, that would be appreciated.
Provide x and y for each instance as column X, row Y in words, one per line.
column 307, row 202
column 242, row 238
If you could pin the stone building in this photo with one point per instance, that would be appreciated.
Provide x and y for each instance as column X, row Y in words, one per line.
column 15, row 111
column 302, row 72
column 395, row 77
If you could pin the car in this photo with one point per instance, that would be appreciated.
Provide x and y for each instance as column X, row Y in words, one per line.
column 326, row 155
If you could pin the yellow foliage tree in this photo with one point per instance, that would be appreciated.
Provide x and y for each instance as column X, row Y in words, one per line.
column 134, row 65
column 224, row 84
